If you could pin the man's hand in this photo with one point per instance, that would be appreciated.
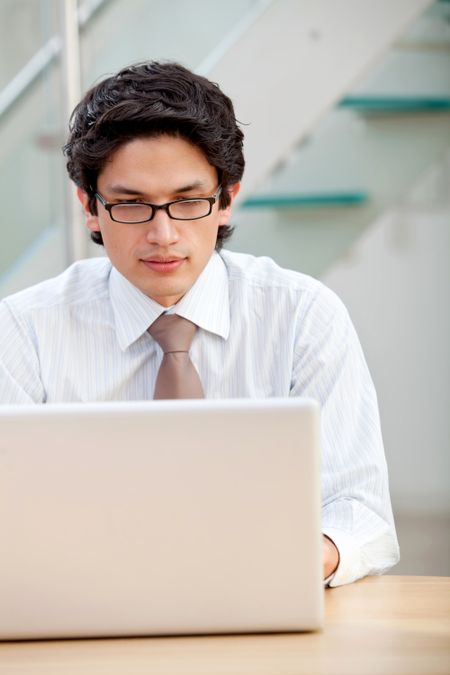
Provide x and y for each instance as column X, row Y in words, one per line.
column 330, row 557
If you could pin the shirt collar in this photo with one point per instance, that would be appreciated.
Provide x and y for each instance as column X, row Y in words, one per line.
column 206, row 304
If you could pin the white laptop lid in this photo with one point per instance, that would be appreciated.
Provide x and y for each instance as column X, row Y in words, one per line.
column 162, row 517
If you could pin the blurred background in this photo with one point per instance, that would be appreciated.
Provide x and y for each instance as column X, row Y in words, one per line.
column 346, row 111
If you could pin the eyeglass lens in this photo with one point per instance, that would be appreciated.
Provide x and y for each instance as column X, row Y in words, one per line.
column 183, row 210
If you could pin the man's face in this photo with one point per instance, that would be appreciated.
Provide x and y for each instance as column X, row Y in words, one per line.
column 162, row 257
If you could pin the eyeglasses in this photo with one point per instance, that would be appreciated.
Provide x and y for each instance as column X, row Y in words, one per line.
column 141, row 212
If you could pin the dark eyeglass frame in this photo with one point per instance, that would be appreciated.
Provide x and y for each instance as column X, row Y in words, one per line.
column 155, row 207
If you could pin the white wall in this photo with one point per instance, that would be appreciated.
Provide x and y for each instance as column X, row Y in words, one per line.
column 396, row 284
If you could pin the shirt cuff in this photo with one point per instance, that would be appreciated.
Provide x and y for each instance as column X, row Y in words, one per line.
column 349, row 568
column 327, row 581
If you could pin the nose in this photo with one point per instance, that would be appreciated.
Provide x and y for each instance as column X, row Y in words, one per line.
column 162, row 230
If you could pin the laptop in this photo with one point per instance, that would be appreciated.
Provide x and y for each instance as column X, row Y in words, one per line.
column 160, row 518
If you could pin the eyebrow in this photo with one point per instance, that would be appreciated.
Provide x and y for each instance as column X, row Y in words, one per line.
column 117, row 188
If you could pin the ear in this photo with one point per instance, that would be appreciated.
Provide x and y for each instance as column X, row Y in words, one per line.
column 225, row 214
column 91, row 220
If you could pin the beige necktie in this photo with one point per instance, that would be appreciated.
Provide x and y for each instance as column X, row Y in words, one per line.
column 177, row 377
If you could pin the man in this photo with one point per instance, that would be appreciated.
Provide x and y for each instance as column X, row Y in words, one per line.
column 156, row 155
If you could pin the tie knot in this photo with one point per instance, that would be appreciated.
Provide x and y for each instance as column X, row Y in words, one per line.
column 173, row 333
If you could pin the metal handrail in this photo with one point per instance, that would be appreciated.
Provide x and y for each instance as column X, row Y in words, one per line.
column 43, row 58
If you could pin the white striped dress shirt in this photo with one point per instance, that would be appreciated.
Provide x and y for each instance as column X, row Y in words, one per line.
column 263, row 332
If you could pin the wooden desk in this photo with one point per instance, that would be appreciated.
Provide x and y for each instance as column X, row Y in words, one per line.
column 378, row 626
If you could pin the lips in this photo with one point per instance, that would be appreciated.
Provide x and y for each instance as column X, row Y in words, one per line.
column 163, row 265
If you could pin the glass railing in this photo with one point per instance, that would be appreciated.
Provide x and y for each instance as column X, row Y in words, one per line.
column 25, row 28
column 31, row 133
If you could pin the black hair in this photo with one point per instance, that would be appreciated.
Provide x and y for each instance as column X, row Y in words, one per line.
column 153, row 99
